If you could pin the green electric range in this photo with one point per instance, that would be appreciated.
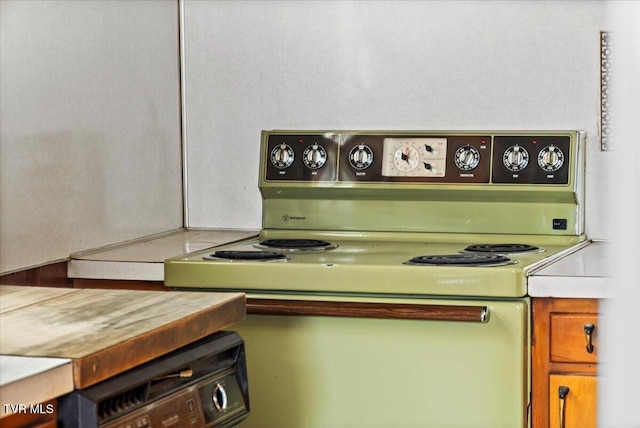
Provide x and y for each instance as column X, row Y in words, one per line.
column 388, row 285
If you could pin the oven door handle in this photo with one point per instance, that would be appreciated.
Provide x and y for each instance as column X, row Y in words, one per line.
column 478, row 314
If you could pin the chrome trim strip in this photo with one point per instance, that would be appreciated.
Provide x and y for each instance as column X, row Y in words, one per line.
column 183, row 116
column 579, row 186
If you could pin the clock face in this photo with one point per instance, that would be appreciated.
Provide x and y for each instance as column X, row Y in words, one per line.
column 406, row 159
column 414, row 157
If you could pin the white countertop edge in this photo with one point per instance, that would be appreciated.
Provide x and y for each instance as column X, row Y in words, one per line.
column 536, row 268
column 567, row 287
column 29, row 381
column 148, row 238
column 133, row 271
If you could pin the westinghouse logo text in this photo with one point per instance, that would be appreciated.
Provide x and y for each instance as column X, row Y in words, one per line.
column 287, row 217
column 39, row 409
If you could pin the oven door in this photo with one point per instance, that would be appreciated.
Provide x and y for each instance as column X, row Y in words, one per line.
column 386, row 362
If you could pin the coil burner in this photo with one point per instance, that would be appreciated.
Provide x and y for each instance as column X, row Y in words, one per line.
column 462, row 260
column 503, row 248
column 246, row 255
column 297, row 244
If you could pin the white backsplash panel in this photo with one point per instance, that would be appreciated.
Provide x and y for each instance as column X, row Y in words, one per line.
column 379, row 65
column 90, row 132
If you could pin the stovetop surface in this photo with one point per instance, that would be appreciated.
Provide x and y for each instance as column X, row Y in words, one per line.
column 367, row 263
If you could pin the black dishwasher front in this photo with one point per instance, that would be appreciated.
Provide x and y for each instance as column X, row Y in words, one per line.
column 203, row 384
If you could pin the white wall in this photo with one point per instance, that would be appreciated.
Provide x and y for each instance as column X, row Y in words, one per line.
column 460, row 65
column 90, row 136
column 619, row 381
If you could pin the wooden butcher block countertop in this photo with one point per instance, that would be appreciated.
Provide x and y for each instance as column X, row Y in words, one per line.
column 106, row 332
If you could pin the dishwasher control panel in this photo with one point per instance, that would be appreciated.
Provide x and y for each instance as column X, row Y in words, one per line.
column 210, row 403
column 203, row 384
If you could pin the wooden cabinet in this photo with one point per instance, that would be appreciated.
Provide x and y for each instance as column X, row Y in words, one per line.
column 579, row 407
column 564, row 358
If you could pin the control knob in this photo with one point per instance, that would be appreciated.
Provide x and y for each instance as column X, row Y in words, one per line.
column 551, row 158
column 515, row 158
column 220, row 398
column 282, row 156
column 467, row 158
column 430, row 149
column 314, row 156
column 361, row 157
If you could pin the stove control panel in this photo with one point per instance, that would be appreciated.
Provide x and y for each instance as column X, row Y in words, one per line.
column 302, row 157
column 531, row 159
column 417, row 158
column 474, row 158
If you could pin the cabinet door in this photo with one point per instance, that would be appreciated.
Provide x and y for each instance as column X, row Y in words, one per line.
column 568, row 338
column 579, row 402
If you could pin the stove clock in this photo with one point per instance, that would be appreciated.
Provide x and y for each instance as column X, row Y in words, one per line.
column 414, row 157
column 406, row 159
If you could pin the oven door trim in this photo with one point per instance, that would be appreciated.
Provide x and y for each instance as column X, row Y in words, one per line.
column 368, row 310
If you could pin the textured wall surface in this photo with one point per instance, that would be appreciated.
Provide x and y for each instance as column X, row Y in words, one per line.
column 90, row 135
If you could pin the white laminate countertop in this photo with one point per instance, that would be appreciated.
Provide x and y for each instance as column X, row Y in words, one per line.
column 583, row 274
column 28, row 381
column 143, row 259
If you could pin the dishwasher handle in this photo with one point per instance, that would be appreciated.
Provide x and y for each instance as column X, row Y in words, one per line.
column 478, row 314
